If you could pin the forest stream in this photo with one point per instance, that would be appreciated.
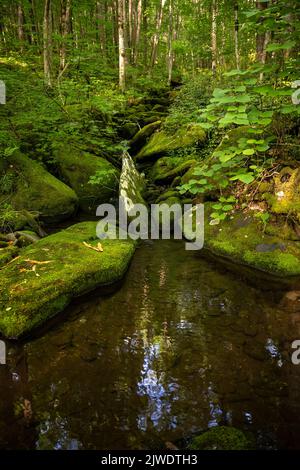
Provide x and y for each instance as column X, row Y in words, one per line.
column 182, row 346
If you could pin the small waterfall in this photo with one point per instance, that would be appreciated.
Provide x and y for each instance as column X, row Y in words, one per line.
column 132, row 183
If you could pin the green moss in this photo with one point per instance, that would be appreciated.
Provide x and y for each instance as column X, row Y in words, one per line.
column 65, row 268
column 286, row 197
column 168, row 168
column 142, row 135
column 161, row 143
column 7, row 254
column 222, row 438
column 76, row 167
column 242, row 241
column 36, row 190
column 166, row 195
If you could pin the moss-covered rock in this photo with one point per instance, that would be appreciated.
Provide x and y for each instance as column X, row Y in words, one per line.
column 286, row 196
column 241, row 240
column 161, row 142
column 35, row 190
column 222, row 438
column 143, row 135
column 7, row 254
column 76, row 167
column 171, row 193
column 166, row 169
column 45, row 277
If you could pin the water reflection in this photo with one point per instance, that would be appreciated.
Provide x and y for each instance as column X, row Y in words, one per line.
column 180, row 348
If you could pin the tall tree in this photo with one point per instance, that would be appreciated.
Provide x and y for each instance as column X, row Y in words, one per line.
column 236, row 35
column 65, row 30
column 214, row 36
column 156, row 36
column 47, row 43
column 138, row 29
column 122, row 51
column 21, row 21
column 170, row 41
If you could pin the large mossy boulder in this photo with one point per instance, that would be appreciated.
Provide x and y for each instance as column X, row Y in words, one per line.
column 162, row 142
column 34, row 190
column 141, row 137
column 76, row 167
column 222, row 438
column 165, row 169
column 242, row 240
column 285, row 197
column 47, row 275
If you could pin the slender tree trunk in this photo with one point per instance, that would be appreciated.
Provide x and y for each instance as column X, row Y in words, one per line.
column 236, row 35
column 101, row 18
column 130, row 23
column 65, row 30
column 47, row 40
column 260, row 36
column 122, row 54
column 145, row 31
column 21, row 21
column 170, row 43
column 155, row 39
column 214, row 37
column 138, row 30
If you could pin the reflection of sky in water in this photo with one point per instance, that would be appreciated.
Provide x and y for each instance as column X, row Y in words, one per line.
column 159, row 394
column 215, row 410
column 274, row 351
column 184, row 325
column 63, row 442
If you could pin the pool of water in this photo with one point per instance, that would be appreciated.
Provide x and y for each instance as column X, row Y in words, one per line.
column 182, row 346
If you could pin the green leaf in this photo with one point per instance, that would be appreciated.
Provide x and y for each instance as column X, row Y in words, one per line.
column 246, row 178
column 249, row 152
column 227, row 208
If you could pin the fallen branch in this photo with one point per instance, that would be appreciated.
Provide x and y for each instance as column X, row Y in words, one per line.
column 97, row 248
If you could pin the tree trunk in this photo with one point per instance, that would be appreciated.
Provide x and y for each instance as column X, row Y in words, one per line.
column 214, row 37
column 21, row 21
column 101, row 18
column 236, row 35
column 155, row 39
column 65, row 30
column 260, row 36
column 122, row 54
column 47, row 40
column 170, row 43
column 138, row 30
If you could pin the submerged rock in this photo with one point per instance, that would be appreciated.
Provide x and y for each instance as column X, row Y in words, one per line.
column 222, row 438
column 47, row 275
column 76, row 167
column 33, row 189
column 161, row 142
